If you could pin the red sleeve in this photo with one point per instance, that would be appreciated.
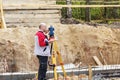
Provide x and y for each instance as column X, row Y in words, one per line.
column 41, row 39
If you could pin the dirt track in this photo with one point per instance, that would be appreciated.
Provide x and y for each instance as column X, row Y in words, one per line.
column 77, row 43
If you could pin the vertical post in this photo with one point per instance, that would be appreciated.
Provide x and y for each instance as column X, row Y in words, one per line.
column 115, row 11
column 2, row 15
column 90, row 73
column 69, row 9
column 87, row 12
column 105, row 11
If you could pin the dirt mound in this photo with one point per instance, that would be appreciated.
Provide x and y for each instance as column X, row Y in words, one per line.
column 80, row 43
column 77, row 43
column 69, row 21
column 16, row 50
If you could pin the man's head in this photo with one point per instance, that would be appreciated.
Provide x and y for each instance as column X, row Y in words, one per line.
column 43, row 27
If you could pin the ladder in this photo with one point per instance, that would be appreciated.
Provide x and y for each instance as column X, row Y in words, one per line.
column 2, row 19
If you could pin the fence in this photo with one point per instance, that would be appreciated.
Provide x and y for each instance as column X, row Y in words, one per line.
column 95, row 13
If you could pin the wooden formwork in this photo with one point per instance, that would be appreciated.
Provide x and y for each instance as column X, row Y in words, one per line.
column 29, row 1
column 22, row 15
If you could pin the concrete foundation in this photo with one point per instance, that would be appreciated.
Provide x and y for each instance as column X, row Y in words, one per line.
column 96, row 70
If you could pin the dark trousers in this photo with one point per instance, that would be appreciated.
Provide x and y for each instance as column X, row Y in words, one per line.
column 42, row 67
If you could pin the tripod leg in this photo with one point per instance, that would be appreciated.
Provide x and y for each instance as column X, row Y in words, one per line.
column 50, row 58
column 55, row 47
column 54, row 63
column 61, row 64
column 51, row 49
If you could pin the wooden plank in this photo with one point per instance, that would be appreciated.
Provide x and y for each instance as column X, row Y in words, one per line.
column 32, row 16
column 84, row 6
column 28, row 20
column 38, row 6
column 29, row 1
column 110, row 2
column 97, row 61
column 32, row 11
column 83, row 1
column 45, row 21
column 105, row 62
column 49, row 21
column 28, row 24
column 30, row 8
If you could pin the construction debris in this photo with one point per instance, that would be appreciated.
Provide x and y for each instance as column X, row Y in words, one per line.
column 97, row 61
column 105, row 62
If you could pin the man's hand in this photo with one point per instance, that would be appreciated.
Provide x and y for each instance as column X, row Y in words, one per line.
column 46, row 31
column 51, row 40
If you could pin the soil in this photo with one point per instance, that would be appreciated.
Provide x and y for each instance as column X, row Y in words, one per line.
column 77, row 43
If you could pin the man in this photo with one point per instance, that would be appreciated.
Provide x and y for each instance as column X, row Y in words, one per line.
column 42, row 50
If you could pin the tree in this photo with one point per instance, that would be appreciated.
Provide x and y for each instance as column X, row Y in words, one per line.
column 87, row 12
column 115, row 11
column 69, row 9
column 105, row 11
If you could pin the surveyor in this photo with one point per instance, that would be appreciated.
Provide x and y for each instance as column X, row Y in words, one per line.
column 42, row 50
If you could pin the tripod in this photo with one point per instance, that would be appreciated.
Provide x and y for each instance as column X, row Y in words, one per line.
column 55, row 53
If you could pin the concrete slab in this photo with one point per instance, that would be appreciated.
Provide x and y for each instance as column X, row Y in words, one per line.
column 107, row 69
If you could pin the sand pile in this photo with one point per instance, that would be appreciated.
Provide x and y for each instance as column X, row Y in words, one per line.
column 77, row 43
column 16, row 47
column 80, row 43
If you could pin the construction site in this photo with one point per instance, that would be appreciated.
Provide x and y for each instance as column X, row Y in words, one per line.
column 88, row 40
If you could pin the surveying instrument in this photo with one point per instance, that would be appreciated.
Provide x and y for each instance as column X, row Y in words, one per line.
column 55, row 53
